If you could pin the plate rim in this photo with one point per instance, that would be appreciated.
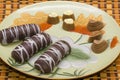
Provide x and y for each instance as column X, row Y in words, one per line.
column 27, row 6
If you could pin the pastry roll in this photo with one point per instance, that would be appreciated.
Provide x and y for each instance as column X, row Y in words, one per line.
column 30, row 46
column 46, row 62
column 17, row 33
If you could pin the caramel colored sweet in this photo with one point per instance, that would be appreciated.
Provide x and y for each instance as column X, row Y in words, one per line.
column 53, row 18
column 96, row 35
column 26, row 18
column 83, row 21
column 68, row 24
column 95, row 25
column 91, row 39
column 68, row 14
column 99, row 46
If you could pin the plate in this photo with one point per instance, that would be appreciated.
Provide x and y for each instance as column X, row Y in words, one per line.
column 68, row 68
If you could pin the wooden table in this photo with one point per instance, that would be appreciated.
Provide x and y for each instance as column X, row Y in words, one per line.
column 112, row 7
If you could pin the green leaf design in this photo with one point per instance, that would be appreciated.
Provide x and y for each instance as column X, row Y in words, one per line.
column 54, row 73
column 13, row 62
column 79, row 73
column 29, row 64
column 68, row 74
column 85, row 43
column 77, row 54
column 78, row 39
column 74, row 74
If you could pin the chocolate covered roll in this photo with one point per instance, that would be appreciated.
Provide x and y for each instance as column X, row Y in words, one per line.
column 46, row 62
column 68, row 14
column 53, row 18
column 68, row 24
column 30, row 46
column 95, row 25
column 17, row 33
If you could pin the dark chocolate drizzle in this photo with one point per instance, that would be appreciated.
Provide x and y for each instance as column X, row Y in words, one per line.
column 17, row 33
column 46, row 62
column 30, row 46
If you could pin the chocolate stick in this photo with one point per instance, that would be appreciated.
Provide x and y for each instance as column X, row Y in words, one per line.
column 46, row 62
column 30, row 46
column 17, row 33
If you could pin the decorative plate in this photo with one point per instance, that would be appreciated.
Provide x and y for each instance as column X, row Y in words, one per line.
column 82, row 61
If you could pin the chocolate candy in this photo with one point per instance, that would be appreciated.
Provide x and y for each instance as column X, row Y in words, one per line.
column 30, row 46
column 46, row 62
column 99, row 46
column 53, row 18
column 96, row 35
column 95, row 25
column 17, row 33
column 68, row 14
column 68, row 24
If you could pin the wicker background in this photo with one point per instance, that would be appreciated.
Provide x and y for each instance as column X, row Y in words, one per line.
column 112, row 7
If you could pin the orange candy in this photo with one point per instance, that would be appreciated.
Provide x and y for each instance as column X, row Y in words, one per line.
column 114, row 42
column 44, row 26
column 82, row 30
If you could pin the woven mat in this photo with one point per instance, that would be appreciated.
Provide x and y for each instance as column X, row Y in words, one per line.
column 112, row 7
